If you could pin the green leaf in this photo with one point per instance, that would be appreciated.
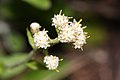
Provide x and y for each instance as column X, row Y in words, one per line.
column 14, row 42
column 9, row 61
column 2, row 68
column 30, row 39
column 12, row 72
column 46, row 74
column 32, row 65
column 40, row 4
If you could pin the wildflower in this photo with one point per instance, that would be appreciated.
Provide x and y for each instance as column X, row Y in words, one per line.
column 66, row 34
column 79, row 41
column 60, row 20
column 51, row 62
column 34, row 27
column 80, row 35
column 41, row 39
column 69, row 32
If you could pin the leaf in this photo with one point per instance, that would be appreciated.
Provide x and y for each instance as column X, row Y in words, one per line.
column 14, row 59
column 14, row 42
column 9, row 61
column 48, row 74
column 40, row 4
column 12, row 72
column 2, row 68
column 30, row 39
column 32, row 65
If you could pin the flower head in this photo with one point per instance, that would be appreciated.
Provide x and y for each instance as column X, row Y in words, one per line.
column 80, row 35
column 41, row 39
column 66, row 34
column 34, row 27
column 60, row 20
column 79, row 41
column 69, row 32
column 51, row 62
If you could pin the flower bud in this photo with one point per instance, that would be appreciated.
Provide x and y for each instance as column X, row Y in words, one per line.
column 34, row 27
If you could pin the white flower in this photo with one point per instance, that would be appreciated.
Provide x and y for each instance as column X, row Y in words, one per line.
column 34, row 27
column 80, row 35
column 79, row 41
column 72, row 32
column 66, row 34
column 60, row 20
column 51, row 62
column 41, row 39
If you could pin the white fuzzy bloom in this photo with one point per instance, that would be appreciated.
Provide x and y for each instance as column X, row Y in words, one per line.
column 41, row 39
column 51, row 62
column 66, row 34
column 69, row 32
column 72, row 32
column 60, row 20
column 80, row 36
column 79, row 41
column 34, row 27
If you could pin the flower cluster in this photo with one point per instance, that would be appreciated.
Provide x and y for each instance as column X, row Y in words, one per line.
column 69, row 31
column 51, row 62
column 41, row 39
column 60, row 20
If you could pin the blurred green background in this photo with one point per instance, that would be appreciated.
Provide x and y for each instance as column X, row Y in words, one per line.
column 100, row 58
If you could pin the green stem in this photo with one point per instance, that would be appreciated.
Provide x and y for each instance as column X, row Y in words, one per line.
column 54, row 41
column 45, row 51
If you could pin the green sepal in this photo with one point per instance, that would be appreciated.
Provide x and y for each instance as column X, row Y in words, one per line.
column 32, row 65
column 30, row 38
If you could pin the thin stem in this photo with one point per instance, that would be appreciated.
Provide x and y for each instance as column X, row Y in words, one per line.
column 54, row 41
column 45, row 51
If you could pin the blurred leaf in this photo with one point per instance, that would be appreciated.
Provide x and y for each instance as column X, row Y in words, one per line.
column 2, row 68
column 32, row 65
column 30, row 39
column 97, row 34
column 14, row 42
column 5, row 11
column 11, row 60
column 12, row 72
column 2, row 52
column 67, row 11
column 41, row 4
column 48, row 74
